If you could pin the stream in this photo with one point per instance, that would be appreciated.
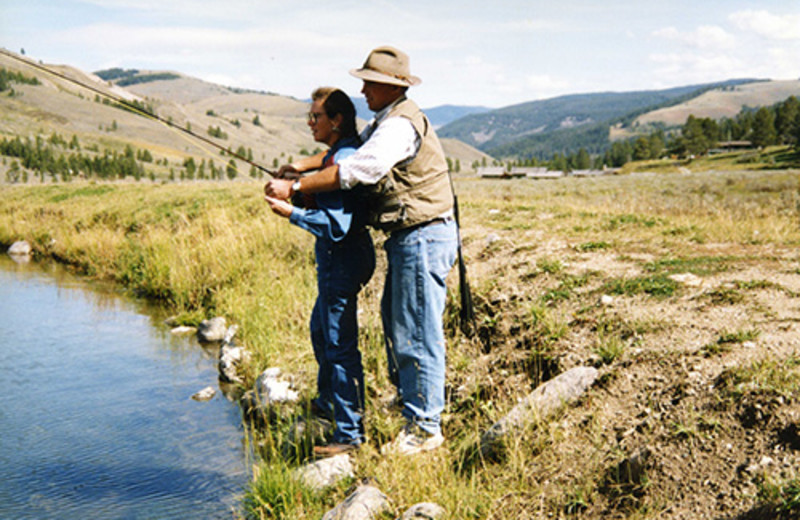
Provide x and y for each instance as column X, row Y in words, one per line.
column 97, row 419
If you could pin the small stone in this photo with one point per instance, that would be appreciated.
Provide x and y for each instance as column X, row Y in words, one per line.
column 687, row 279
column 272, row 390
column 183, row 329
column 20, row 248
column 205, row 394
column 365, row 503
column 325, row 472
column 423, row 510
column 229, row 360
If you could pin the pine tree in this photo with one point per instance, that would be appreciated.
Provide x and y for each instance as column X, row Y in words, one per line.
column 785, row 115
column 763, row 128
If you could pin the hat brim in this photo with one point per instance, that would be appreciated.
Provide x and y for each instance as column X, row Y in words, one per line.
column 379, row 77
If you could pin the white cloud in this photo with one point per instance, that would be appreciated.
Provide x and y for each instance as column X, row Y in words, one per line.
column 705, row 37
column 545, row 85
column 768, row 25
column 678, row 67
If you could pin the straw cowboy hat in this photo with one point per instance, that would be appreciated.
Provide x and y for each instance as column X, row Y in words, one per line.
column 387, row 65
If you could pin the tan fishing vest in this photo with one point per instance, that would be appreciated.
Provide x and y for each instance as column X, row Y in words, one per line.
column 415, row 191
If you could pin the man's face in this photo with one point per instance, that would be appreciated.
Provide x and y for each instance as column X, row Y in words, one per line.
column 380, row 95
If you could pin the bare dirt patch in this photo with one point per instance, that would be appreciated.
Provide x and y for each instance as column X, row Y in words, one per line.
column 696, row 412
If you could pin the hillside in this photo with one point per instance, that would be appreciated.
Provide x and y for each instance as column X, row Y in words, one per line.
column 723, row 102
column 272, row 126
column 567, row 123
column 445, row 114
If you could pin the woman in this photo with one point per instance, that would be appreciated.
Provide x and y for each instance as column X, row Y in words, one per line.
column 345, row 262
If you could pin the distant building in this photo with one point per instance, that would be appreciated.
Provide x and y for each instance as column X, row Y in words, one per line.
column 538, row 173
column 731, row 146
column 588, row 173
column 493, row 172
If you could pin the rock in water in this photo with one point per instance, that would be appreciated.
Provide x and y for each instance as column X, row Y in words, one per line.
column 212, row 330
column 230, row 357
column 20, row 248
column 205, row 394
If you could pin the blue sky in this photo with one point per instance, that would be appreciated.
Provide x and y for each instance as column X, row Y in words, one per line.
column 492, row 53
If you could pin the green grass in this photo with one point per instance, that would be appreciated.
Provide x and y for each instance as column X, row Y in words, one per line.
column 659, row 286
column 782, row 496
column 739, row 336
column 700, row 266
column 772, row 377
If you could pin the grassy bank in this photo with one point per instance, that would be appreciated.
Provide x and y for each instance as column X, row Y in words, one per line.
column 201, row 249
column 703, row 373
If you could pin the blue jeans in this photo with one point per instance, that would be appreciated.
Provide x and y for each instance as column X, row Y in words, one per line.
column 342, row 269
column 411, row 310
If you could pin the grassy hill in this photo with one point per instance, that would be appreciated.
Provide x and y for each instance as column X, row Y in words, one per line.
column 271, row 126
column 723, row 102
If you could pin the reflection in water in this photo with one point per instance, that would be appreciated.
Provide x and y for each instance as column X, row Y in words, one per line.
column 97, row 418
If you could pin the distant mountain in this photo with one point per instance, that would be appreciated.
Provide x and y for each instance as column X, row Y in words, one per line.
column 565, row 123
column 444, row 114
column 439, row 115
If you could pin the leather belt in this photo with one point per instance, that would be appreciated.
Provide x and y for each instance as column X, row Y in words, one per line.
column 437, row 220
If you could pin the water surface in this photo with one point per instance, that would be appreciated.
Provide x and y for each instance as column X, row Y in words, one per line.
column 97, row 419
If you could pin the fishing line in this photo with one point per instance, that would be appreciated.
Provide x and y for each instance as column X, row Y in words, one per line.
column 133, row 108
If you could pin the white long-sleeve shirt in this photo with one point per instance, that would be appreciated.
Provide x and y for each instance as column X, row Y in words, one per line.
column 387, row 142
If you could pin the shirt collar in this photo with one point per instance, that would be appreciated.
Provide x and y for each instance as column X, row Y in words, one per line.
column 381, row 114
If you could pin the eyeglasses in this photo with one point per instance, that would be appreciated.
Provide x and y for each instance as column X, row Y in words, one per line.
column 313, row 117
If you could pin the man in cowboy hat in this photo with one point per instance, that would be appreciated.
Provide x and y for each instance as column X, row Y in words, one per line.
column 402, row 169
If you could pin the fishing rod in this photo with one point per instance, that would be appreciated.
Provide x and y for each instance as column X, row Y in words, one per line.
column 136, row 109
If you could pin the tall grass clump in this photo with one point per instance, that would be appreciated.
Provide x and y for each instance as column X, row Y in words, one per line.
column 200, row 249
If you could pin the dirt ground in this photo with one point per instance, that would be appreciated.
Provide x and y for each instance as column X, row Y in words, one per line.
column 696, row 409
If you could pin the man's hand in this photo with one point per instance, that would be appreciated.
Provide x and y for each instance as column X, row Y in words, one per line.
column 279, row 207
column 278, row 188
column 288, row 171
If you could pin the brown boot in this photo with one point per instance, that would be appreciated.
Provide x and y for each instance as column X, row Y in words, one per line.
column 333, row 449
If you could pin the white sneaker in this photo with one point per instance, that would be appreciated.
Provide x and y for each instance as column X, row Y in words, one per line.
column 411, row 440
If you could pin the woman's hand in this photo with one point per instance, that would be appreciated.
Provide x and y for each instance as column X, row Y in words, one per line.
column 279, row 207
column 278, row 188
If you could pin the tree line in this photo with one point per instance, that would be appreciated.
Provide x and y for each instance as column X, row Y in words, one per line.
column 7, row 77
column 766, row 126
column 57, row 159
column 44, row 158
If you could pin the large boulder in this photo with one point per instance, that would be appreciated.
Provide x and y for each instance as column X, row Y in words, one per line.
column 546, row 399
